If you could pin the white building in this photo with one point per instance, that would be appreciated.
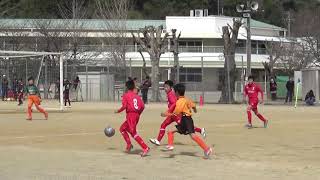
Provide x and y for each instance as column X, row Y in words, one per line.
column 201, row 39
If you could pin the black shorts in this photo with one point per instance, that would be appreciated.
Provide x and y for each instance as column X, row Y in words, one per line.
column 186, row 125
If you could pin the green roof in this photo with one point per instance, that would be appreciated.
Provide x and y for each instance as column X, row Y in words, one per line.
column 262, row 25
column 84, row 24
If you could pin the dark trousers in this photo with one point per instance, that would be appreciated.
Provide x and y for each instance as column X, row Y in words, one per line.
column 289, row 96
column 144, row 93
column 273, row 96
column 66, row 98
column 4, row 92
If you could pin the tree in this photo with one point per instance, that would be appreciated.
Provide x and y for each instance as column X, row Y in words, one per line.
column 155, row 44
column 230, row 37
column 275, row 51
column 115, row 15
column 175, row 50
column 306, row 27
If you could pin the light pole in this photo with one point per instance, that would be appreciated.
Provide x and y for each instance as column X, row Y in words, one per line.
column 246, row 11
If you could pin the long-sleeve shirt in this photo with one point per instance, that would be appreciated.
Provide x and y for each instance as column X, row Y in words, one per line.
column 132, row 103
column 252, row 91
column 172, row 99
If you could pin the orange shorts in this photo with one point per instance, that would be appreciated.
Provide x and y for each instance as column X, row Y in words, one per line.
column 33, row 99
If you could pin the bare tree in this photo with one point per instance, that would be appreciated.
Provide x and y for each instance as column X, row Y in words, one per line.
column 175, row 50
column 115, row 14
column 230, row 36
column 73, row 12
column 275, row 51
column 295, row 57
column 306, row 27
column 155, row 44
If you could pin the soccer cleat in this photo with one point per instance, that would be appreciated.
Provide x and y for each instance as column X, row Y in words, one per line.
column 129, row 148
column 265, row 124
column 169, row 148
column 29, row 119
column 145, row 152
column 207, row 153
column 155, row 142
column 249, row 126
column 46, row 115
column 203, row 132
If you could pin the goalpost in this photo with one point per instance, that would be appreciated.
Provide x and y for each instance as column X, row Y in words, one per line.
column 45, row 67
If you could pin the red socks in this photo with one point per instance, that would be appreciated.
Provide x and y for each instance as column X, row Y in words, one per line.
column 140, row 142
column 261, row 117
column 249, row 117
column 126, row 137
column 161, row 134
column 198, row 130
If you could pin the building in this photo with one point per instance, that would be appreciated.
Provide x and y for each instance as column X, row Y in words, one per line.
column 200, row 45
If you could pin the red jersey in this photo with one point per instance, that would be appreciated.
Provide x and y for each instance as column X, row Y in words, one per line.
column 172, row 99
column 132, row 103
column 252, row 91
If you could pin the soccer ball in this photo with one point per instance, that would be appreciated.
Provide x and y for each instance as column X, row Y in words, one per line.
column 109, row 131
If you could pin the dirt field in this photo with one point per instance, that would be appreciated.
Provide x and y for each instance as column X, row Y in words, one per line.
column 71, row 145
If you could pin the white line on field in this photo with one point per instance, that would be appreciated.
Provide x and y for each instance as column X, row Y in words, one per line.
column 59, row 135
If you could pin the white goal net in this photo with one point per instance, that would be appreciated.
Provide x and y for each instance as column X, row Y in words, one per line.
column 45, row 67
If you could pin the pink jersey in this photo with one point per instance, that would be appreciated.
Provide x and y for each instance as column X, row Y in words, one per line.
column 132, row 103
column 172, row 99
column 252, row 91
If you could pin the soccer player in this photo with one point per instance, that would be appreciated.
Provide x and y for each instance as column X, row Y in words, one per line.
column 20, row 91
column 172, row 99
column 66, row 92
column 134, row 106
column 33, row 98
column 186, row 126
column 252, row 90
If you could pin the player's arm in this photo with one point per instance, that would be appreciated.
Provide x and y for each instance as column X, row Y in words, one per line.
column 177, row 110
column 124, row 105
column 169, row 111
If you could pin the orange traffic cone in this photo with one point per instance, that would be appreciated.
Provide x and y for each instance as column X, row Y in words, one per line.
column 201, row 101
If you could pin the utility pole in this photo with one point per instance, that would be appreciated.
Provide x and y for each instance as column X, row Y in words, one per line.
column 247, row 10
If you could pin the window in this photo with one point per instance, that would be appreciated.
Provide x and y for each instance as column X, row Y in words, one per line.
column 190, row 46
column 190, row 75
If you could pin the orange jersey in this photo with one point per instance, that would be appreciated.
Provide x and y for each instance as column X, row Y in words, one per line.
column 189, row 105
column 183, row 106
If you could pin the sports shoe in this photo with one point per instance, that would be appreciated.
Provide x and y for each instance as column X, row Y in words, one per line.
column 29, row 119
column 249, row 126
column 265, row 124
column 129, row 148
column 207, row 153
column 145, row 152
column 169, row 148
column 203, row 132
column 155, row 142
column 46, row 115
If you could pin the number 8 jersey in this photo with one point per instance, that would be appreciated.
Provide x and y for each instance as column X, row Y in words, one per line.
column 132, row 103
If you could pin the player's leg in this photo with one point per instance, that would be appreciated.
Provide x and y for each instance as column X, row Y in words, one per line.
column 262, row 118
column 133, row 120
column 36, row 101
column 189, row 127
column 170, row 145
column 124, row 132
column 249, row 108
column 162, row 130
column 29, row 110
